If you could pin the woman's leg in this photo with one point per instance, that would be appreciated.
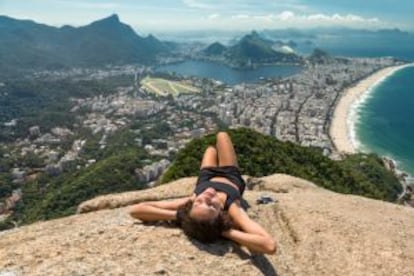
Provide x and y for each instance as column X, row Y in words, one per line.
column 209, row 157
column 226, row 153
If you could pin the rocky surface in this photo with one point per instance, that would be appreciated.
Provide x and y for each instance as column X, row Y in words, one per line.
column 318, row 233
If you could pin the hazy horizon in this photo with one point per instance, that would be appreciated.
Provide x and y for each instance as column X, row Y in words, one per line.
column 162, row 16
column 222, row 35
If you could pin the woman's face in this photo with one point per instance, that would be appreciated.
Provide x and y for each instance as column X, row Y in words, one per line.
column 206, row 205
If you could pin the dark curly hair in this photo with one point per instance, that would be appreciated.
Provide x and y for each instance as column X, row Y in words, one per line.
column 206, row 231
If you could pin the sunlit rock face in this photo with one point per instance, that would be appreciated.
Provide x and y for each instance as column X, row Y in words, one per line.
column 318, row 232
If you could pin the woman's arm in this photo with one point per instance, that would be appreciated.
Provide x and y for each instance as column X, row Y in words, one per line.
column 157, row 210
column 251, row 234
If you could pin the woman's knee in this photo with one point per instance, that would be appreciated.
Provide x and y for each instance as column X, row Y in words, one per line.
column 222, row 135
column 211, row 149
column 209, row 157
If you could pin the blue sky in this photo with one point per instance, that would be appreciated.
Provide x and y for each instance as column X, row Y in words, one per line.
column 173, row 15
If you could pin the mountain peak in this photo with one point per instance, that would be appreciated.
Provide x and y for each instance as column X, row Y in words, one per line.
column 254, row 33
column 112, row 19
column 215, row 48
column 255, row 36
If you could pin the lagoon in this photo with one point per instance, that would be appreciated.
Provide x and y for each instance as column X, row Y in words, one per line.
column 227, row 74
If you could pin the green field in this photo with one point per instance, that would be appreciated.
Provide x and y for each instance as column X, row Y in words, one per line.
column 165, row 87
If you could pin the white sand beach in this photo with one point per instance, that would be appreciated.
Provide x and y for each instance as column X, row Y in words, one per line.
column 340, row 129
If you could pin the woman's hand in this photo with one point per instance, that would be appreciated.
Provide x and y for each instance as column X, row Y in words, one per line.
column 250, row 233
column 157, row 210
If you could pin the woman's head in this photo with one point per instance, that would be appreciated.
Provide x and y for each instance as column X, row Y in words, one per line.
column 203, row 218
column 206, row 206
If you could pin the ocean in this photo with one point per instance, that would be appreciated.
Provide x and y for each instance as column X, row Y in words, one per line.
column 384, row 121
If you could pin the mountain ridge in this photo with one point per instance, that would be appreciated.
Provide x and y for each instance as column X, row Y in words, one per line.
column 25, row 44
column 249, row 50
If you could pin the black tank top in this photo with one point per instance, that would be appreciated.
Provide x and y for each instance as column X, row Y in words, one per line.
column 231, row 192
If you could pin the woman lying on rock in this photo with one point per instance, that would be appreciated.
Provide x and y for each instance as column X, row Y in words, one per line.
column 213, row 210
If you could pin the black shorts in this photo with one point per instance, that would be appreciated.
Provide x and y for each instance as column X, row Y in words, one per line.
column 232, row 173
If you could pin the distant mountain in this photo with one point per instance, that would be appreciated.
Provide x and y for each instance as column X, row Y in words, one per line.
column 157, row 45
column 319, row 56
column 252, row 48
column 215, row 49
column 255, row 36
column 289, row 33
column 349, row 42
column 29, row 45
column 315, row 33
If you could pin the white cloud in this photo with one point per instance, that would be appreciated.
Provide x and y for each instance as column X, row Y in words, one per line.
column 196, row 4
column 348, row 18
column 285, row 15
column 213, row 16
column 291, row 19
column 337, row 18
column 285, row 19
column 266, row 18
column 240, row 16
column 103, row 6
column 79, row 4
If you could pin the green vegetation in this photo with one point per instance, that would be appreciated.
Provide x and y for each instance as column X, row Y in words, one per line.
column 261, row 155
column 48, row 197
column 6, row 185
column 47, row 103
column 52, row 197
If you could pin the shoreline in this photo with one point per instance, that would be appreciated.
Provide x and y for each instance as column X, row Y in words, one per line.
column 341, row 129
